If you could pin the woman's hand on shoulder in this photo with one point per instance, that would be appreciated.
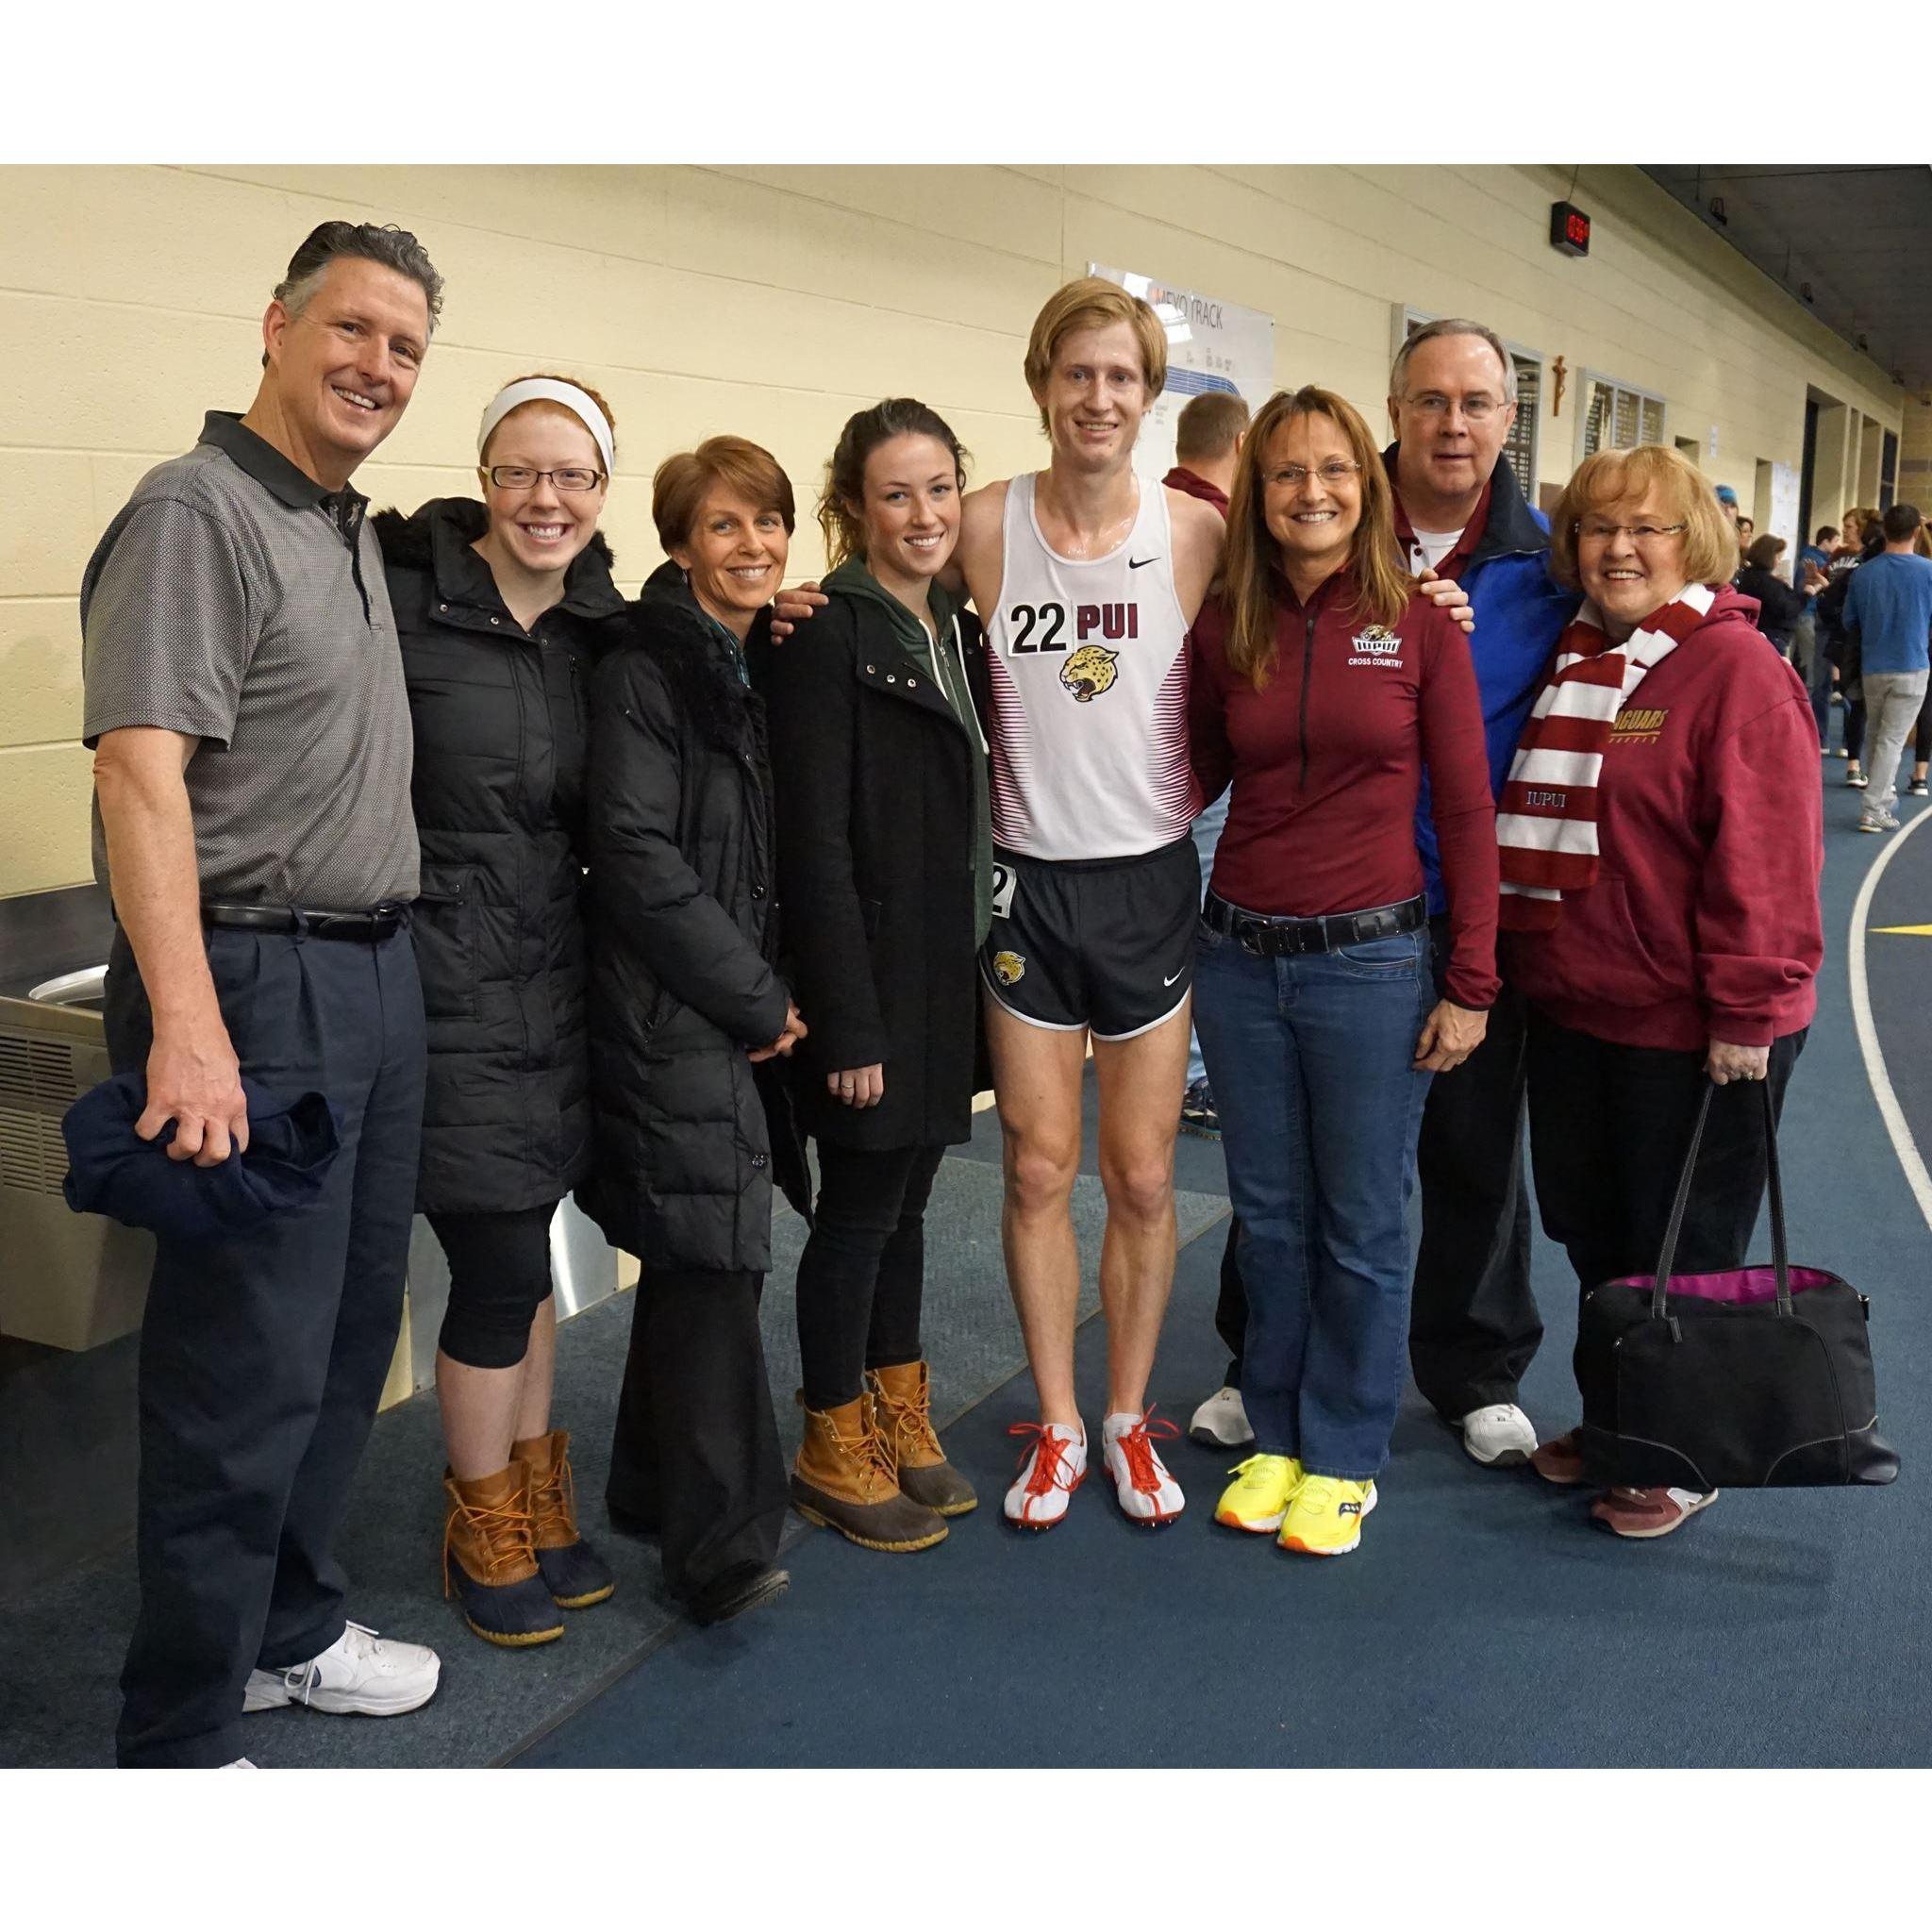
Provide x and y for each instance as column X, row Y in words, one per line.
column 793, row 605
column 1449, row 1036
column 1445, row 594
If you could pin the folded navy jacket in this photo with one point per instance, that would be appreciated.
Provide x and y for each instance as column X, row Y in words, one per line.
column 291, row 1144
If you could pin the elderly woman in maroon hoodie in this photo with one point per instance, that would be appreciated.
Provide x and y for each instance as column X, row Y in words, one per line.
column 1660, row 850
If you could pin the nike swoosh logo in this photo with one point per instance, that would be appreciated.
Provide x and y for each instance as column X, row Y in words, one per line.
column 1172, row 976
column 1140, row 563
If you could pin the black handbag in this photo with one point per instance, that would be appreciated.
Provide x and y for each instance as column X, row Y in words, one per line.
column 1753, row 1377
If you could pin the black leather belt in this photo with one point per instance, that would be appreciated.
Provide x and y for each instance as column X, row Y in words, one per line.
column 378, row 923
column 1272, row 938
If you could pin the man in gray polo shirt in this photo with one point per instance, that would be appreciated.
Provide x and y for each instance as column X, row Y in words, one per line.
column 245, row 705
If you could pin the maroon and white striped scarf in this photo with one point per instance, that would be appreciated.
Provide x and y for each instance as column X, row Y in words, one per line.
column 1546, row 820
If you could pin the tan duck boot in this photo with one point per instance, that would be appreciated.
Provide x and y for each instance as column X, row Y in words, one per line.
column 904, row 1395
column 843, row 1479
column 573, row 1573
column 490, row 1562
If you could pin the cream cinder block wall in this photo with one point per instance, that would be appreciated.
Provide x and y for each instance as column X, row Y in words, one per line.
column 775, row 301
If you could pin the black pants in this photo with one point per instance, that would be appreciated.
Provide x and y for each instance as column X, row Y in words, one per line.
column 499, row 1276
column 1609, row 1127
column 695, row 1455
column 1473, row 1325
column 864, row 1271
column 263, row 1358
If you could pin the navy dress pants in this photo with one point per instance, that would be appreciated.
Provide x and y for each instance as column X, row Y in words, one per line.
column 263, row 1357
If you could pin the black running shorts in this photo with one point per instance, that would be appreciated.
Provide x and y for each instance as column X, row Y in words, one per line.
column 1105, row 944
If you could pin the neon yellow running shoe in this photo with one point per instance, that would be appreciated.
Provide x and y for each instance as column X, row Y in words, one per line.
column 1326, row 1517
column 1260, row 1494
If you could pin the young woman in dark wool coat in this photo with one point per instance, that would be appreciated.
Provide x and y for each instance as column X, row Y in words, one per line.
column 885, row 870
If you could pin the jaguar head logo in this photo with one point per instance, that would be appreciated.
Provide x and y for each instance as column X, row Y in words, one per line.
column 1008, row 968
column 1089, row 672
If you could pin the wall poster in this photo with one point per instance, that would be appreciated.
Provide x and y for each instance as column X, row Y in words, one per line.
column 1211, row 345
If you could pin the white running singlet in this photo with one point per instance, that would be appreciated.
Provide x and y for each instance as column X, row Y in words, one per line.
column 1089, row 663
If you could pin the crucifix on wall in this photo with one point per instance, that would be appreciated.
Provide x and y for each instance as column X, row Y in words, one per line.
column 1562, row 376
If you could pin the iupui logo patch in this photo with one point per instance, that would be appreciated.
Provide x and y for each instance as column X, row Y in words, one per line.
column 1009, row 967
column 1379, row 640
column 1089, row 672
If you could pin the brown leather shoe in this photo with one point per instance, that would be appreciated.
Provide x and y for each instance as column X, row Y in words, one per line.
column 843, row 1479
column 576, row 1575
column 490, row 1562
column 904, row 1397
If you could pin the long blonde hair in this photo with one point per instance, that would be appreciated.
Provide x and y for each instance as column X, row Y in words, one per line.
column 1252, row 579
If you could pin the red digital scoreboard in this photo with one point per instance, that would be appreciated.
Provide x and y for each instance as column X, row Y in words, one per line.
column 1569, row 228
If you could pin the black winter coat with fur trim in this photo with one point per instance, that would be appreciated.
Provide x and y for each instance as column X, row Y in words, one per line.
column 501, row 727
column 683, row 936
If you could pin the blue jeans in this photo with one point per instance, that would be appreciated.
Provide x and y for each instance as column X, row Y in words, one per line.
column 1816, row 667
column 1206, row 835
column 1310, row 1062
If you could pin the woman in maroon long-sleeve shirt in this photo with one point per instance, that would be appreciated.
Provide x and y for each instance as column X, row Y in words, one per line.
column 1323, row 684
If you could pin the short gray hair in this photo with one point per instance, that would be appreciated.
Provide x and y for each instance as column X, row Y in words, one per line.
column 389, row 246
column 1452, row 326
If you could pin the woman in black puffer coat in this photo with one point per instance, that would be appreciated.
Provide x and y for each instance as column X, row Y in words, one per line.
column 685, row 1004
column 502, row 608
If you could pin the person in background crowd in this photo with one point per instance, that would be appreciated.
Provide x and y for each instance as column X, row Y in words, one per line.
column 684, row 1001
column 1727, row 504
column 1680, row 939
column 1862, row 538
column 1208, row 439
column 1779, row 606
column 885, row 873
column 1323, row 682
column 1458, row 511
column 1888, row 615
column 234, row 611
column 503, row 606
column 1922, row 735
column 1747, row 535
column 1809, row 653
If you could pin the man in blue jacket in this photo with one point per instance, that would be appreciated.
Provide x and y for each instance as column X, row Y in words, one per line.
column 1472, row 1322
column 1474, row 1326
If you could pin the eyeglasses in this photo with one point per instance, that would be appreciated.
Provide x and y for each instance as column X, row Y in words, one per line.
column 1334, row 475
column 1477, row 408
column 1594, row 531
column 513, row 476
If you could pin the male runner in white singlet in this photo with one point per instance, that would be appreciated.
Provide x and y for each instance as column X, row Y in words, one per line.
column 1088, row 580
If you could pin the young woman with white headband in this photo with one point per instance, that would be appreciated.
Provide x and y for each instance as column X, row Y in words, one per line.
column 502, row 607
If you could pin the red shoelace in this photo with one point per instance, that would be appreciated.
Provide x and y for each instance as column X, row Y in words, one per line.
column 1047, row 1455
column 1143, row 1471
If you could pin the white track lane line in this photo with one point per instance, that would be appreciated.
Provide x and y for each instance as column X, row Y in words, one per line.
column 1890, row 1111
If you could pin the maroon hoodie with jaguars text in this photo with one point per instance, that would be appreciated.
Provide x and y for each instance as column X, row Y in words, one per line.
column 1703, row 922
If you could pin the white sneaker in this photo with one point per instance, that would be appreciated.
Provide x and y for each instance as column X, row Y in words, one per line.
column 1050, row 1472
column 1146, row 1491
column 360, row 1672
column 1499, row 1437
column 1221, row 1422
